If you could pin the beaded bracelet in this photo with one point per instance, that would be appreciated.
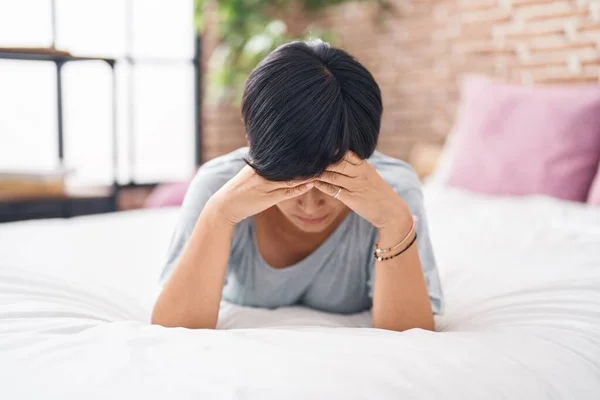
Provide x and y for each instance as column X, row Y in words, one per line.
column 408, row 235
column 396, row 255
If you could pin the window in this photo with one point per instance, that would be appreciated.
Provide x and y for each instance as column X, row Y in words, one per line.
column 153, row 42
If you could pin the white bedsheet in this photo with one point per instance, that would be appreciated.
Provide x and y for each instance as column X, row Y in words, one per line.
column 521, row 279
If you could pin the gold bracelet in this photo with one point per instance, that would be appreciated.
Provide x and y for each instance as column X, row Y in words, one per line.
column 396, row 255
column 408, row 235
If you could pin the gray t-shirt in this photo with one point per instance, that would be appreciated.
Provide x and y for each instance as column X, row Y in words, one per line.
column 337, row 277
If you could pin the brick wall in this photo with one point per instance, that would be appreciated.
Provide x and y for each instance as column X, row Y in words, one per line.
column 420, row 51
column 223, row 130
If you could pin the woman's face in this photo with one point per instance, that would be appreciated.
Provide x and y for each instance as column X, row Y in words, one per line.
column 312, row 212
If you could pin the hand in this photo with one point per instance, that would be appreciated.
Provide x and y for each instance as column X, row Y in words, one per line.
column 248, row 194
column 365, row 192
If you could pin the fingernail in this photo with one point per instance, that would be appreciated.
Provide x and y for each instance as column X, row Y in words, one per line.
column 309, row 185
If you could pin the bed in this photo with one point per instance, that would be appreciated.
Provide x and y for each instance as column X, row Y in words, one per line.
column 521, row 279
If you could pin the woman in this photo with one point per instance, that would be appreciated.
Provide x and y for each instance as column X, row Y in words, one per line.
column 309, row 214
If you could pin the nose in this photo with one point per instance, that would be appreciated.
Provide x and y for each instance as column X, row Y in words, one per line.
column 311, row 201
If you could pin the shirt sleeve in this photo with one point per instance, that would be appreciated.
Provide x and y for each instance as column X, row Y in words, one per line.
column 203, row 186
column 413, row 198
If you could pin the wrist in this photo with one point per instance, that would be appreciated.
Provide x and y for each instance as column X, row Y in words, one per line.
column 218, row 210
column 397, row 228
column 397, row 217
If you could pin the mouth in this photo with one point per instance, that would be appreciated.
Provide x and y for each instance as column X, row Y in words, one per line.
column 311, row 220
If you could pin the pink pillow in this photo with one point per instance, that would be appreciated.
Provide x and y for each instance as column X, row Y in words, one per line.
column 167, row 195
column 594, row 195
column 518, row 140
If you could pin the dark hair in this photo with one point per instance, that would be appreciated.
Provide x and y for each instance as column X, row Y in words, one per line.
column 304, row 106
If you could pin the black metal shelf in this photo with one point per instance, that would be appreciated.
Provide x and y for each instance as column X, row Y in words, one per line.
column 17, row 210
column 44, row 208
column 49, row 56
column 61, row 58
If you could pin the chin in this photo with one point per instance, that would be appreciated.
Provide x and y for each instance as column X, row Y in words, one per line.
column 311, row 226
column 311, row 229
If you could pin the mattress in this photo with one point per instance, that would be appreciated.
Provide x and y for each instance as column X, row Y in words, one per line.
column 521, row 278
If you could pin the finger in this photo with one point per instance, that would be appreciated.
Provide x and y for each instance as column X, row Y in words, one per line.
column 344, row 168
column 331, row 190
column 275, row 185
column 291, row 192
column 337, row 179
column 353, row 158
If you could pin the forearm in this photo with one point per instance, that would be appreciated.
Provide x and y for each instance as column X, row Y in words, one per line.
column 192, row 295
column 400, row 297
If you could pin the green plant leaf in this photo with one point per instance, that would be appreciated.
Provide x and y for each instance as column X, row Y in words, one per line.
column 247, row 32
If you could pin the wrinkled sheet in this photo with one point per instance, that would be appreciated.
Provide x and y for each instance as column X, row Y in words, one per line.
column 521, row 278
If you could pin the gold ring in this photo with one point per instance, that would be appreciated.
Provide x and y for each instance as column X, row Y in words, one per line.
column 338, row 193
